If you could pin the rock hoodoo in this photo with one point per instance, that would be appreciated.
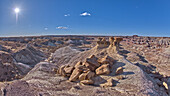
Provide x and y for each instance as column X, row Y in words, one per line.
column 102, row 43
column 115, row 43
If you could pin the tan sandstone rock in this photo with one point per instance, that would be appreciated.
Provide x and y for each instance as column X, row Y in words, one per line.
column 78, row 64
column 68, row 69
column 104, row 69
column 110, row 82
column 91, row 63
column 165, row 85
column 118, row 39
column 83, row 68
column 61, row 71
column 86, row 76
column 75, row 75
column 106, row 60
column 90, row 75
column 115, row 44
column 102, row 43
column 82, row 76
column 87, row 82
column 119, row 70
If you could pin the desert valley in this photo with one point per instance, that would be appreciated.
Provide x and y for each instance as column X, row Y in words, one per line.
column 73, row 65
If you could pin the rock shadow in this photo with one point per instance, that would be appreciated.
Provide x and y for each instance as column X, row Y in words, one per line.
column 98, row 80
column 114, row 68
column 147, row 68
column 142, row 58
column 128, row 73
column 123, row 52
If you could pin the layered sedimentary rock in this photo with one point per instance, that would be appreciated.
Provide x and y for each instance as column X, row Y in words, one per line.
column 29, row 55
column 63, row 55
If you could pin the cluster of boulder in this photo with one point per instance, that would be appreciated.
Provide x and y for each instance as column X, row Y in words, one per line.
column 84, row 72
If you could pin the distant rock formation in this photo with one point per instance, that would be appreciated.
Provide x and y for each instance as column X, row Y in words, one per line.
column 115, row 43
column 102, row 43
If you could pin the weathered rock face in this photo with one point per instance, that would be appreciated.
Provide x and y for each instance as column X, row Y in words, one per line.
column 29, row 55
column 23, row 68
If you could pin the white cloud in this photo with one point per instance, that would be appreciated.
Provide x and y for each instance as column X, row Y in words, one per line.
column 61, row 27
column 67, row 15
column 85, row 14
column 45, row 28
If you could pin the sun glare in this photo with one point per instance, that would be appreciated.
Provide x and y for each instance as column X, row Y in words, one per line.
column 16, row 10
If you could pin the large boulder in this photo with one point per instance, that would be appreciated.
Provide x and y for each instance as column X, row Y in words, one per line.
column 91, row 63
column 106, row 60
column 86, row 76
column 104, row 69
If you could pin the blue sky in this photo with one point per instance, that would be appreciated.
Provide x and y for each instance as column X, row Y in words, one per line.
column 86, row 17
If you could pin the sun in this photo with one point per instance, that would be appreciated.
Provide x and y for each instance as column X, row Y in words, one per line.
column 16, row 10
